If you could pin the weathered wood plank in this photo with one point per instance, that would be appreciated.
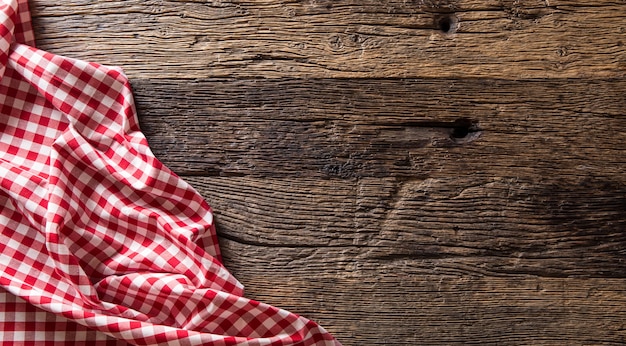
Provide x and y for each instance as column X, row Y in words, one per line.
column 322, row 38
column 498, row 226
column 380, row 128
column 391, row 308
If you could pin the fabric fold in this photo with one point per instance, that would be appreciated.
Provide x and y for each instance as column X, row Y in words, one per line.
column 95, row 229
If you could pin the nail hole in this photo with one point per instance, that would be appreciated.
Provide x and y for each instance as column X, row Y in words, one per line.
column 447, row 24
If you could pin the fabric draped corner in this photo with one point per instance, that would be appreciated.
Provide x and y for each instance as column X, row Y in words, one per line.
column 101, row 243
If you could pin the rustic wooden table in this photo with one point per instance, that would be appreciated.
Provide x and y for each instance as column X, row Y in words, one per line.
column 403, row 172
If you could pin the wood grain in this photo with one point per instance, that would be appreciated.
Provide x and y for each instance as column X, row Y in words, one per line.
column 496, row 226
column 380, row 128
column 394, row 309
column 346, row 39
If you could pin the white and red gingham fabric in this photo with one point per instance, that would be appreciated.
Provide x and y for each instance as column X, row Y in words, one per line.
column 100, row 243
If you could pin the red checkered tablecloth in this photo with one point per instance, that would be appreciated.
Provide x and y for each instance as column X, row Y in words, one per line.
column 100, row 243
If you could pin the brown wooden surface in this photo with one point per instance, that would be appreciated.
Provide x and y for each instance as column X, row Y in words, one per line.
column 398, row 184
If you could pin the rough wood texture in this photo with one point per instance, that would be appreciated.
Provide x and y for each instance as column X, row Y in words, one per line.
column 345, row 38
column 355, row 127
column 399, row 184
column 461, row 225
